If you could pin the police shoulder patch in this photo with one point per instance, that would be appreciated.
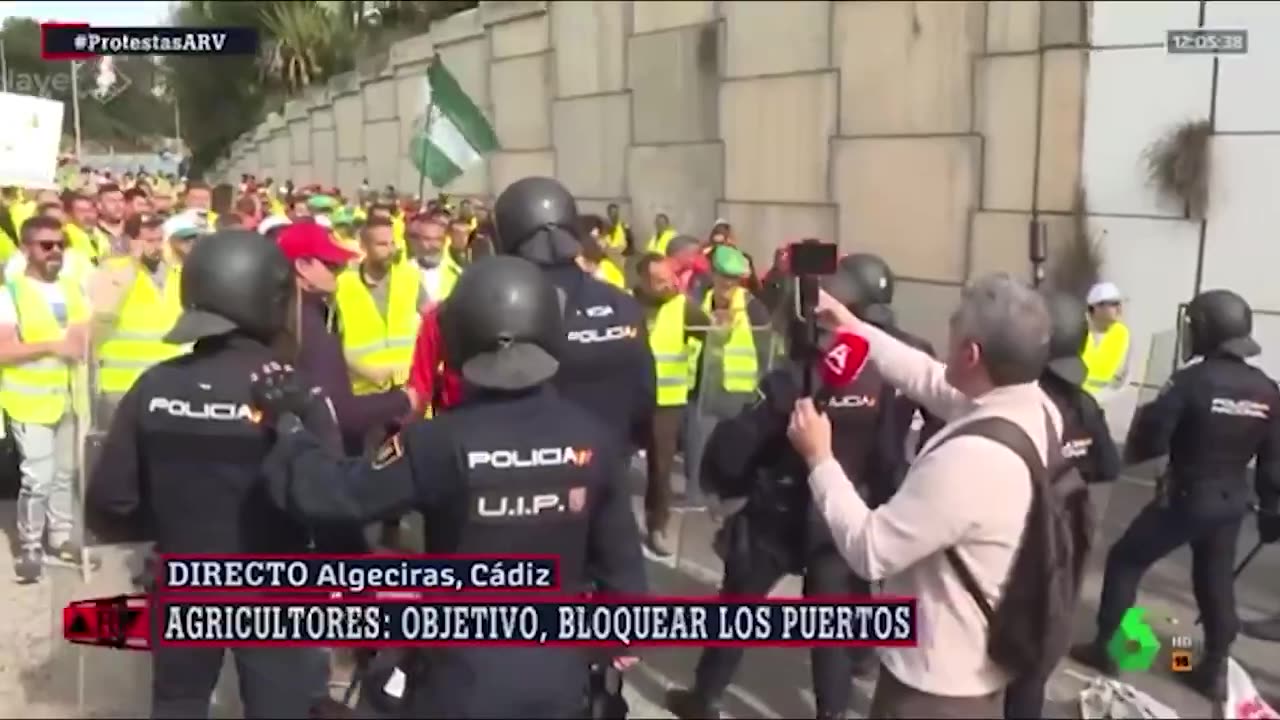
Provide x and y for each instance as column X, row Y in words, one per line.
column 390, row 452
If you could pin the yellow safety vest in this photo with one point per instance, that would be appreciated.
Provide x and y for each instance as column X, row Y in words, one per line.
column 670, row 352
column 1105, row 357
column 450, row 271
column 370, row 340
column 616, row 240
column 609, row 272
column 658, row 243
column 21, row 213
column 38, row 391
column 92, row 244
column 741, row 368
column 137, row 341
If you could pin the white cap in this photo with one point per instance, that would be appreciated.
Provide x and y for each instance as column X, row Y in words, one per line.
column 186, row 222
column 324, row 221
column 1104, row 292
column 271, row 222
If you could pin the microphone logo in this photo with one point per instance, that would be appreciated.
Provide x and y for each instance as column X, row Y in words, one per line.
column 843, row 362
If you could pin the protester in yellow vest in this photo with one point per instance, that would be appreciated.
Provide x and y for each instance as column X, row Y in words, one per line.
column 1106, row 351
column 662, row 234
column 467, row 212
column 379, row 302
column 429, row 247
column 136, row 300
column 595, row 260
column 617, row 235
column 674, row 324
column 731, row 358
column 44, row 337
column 83, row 233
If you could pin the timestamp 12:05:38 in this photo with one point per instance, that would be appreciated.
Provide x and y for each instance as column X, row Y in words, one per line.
column 1207, row 41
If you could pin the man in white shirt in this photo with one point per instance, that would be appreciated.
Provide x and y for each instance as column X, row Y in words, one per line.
column 43, row 339
column 426, row 240
column 970, row 493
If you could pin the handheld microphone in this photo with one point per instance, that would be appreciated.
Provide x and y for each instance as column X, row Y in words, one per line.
column 841, row 364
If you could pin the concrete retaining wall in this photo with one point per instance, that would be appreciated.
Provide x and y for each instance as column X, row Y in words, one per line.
column 928, row 132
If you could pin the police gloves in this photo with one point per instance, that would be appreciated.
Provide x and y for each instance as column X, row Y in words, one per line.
column 277, row 391
column 1268, row 526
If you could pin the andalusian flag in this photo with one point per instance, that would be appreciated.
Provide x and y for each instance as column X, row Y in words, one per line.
column 453, row 135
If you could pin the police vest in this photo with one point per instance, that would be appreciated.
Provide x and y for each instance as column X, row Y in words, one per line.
column 369, row 339
column 39, row 391
column 1105, row 357
column 616, row 239
column 137, row 340
column 670, row 352
column 741, row 368
column 658, row 243
column 93, row 244
column 529, row 484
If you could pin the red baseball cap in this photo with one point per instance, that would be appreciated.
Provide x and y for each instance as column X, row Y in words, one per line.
column 312, row 241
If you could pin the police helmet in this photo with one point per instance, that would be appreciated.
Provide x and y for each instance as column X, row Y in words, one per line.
column 536, row 218
column 1219, row 320
column 502, row 325
column 864, row 283
column 234, row 280
column 1068, row 330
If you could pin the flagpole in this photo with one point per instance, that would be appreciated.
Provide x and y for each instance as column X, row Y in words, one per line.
column 75, row 110
column 426, row 135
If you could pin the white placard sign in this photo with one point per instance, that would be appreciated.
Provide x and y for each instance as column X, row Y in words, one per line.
column 30, row 132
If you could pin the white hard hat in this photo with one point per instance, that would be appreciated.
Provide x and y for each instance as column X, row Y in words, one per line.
column 271, row 222
column 185, row 224
column 1104, row 292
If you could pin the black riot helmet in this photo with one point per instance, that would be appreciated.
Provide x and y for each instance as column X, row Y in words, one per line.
column 502, row 325
column 1218, row 321
column 536, row 218
column 864, row 283
column 234, row 280
column 1068, row 331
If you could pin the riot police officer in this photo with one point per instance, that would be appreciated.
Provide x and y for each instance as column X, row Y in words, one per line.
column 607, row 366
column 1086, row 443
column 868, row 284
column 777, row 532
column 1212, row 418
column 181, row 465
column 503, row 330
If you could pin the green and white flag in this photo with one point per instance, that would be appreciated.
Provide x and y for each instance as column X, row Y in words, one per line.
column 454, row 135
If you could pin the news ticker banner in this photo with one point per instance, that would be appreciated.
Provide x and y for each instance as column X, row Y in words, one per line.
column 62, row 41
column 357, row 574
column 138, row 622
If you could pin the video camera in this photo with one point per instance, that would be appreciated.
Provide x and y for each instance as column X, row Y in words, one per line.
column 807, row 261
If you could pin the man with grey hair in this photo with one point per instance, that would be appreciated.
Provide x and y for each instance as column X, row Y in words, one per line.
column 964, row 492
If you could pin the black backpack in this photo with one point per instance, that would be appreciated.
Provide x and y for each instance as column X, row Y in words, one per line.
column 1030, row 628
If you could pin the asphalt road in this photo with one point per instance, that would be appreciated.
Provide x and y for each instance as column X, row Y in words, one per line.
column 772, row 683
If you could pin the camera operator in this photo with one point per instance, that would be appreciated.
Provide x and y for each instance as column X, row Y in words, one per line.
column 776, row 533
column 964, row 503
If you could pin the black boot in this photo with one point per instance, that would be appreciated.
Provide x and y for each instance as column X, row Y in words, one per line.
column 690, row 705
column 1209, row 678
column 1094, row 655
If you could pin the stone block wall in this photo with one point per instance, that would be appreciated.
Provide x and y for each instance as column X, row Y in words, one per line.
column 928, row 132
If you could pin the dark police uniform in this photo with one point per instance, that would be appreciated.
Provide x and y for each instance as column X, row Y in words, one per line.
column 474, row 474
column 778, row 532
column 1212, row 418
column 607, row 366
column 181, row 465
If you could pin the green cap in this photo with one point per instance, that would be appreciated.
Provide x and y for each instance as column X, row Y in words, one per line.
column 321, row 202
column 342, row 216
column 730, row 262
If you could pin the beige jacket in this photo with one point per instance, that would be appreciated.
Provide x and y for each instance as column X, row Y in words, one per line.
column 971, row 493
